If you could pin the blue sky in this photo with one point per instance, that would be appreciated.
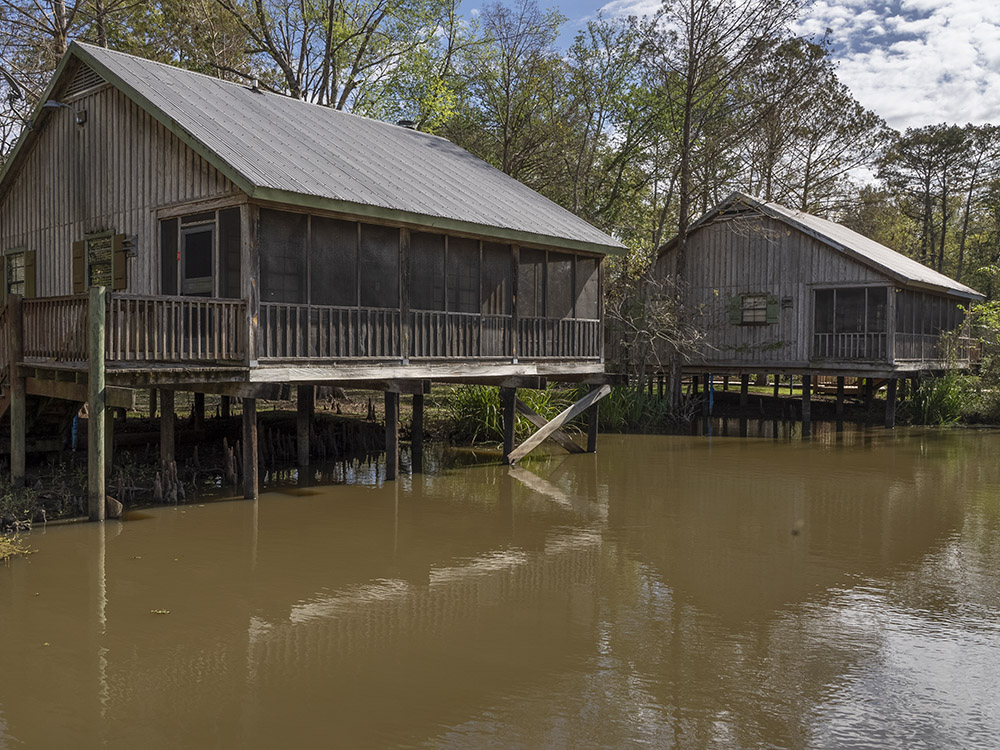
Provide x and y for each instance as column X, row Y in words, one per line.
column 914, row 62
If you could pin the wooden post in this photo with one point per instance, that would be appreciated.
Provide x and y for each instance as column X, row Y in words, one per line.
column 791, row 384
column 725, row 383
column 508, row 399
column 890, row 404
column 869, row 391
column 391, row 435
column 18, row 399
column 225, row 407
column 250, row 456
column 707, row 389
column 166, row 429
column 777, row 381
column 198, row 411
column 659, row 386
column 593, row 422
column 417, row 434
column 249, row 280
column 109, row 443
column 404, row 295
column 806, row 405
column 96, row 486
column 152, row 403
column 840, row 396
column 694, row 385
column 744, row 392
column 305, row 398
column 515, row 323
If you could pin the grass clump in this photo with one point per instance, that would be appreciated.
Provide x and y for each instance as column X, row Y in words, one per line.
column 11, row 546
column 472, row 412
column 939, row 401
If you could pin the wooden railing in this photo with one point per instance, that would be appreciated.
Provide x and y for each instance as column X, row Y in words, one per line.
column 459, row 335
column 175, row 329
column 55, row 328
column 570, row 339
column 289, row 331
column 935, row 347
column 851, row 346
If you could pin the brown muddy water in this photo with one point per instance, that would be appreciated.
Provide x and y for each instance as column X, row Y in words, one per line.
column 685, row 592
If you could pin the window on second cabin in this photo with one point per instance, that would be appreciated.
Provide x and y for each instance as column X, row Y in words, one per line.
column 754, row 308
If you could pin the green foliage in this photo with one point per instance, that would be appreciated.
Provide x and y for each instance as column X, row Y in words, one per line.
column 473, row 411
column 937, row 401
column 632, row 410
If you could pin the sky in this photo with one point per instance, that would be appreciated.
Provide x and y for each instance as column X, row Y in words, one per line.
column 913, row 62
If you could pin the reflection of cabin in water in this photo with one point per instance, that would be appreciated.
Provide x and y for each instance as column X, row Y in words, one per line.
column 780, row 291
column 246, row 239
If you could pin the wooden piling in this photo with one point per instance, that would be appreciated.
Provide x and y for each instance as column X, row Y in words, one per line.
column 744, row 391
column 725, row 383
column 869, row 392
column 225, row 407
column 592, row 423
column 890, row 404
column 840, row 396
column 417, row 434
column 166, row 428
column 777, row 382
column 198, row 411
column 508, row 400
column 152, row 403
column 250, row 452
column 806, row 405
column 305, row 399
column 18, row 399
column 391, row 435
column 96, row 484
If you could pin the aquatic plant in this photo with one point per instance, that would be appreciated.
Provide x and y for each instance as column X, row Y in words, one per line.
column 937, row 401
column 472, row 412
column 11, row 546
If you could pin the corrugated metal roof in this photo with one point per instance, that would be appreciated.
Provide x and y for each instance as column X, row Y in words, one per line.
column 861, row 248
column 280, row 148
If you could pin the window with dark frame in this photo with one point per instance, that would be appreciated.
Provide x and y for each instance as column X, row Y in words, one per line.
column 15, row 273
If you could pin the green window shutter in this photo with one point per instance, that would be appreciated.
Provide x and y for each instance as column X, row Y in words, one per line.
column 119, row 263
column 79, row 267
column 735, row 309
column 773, row 305
column 29, row 274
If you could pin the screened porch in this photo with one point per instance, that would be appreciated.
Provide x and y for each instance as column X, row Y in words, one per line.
column 347, row 290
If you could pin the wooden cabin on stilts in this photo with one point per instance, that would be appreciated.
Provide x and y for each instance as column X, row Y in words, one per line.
column 165, row 230
column 779, row 292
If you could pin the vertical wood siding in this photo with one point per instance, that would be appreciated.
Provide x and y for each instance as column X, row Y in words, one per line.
column 759, row 255
column 110, row 174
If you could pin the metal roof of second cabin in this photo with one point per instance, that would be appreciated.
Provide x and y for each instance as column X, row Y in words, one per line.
column 289, row 151
column 838, row 237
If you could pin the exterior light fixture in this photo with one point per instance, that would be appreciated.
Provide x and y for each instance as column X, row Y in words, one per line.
column 80, row 117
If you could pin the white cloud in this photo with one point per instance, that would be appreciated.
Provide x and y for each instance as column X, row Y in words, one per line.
column 914, row 62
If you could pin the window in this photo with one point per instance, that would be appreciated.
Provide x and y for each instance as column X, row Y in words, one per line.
column 15, row 273
column 99, row 259
column 754, row 309
column 201, row 254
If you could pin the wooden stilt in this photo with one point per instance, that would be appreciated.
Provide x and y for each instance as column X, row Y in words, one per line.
column 840, row 396
column 707, row 389
column 166, row 429
column 198, row 411
column 694, row 385
column 659, row 386
column 250, row 453
column 96, row 489
column 152, row 403
column 417, row 434
column 744, row 391
column 806, row 405
column 725, row 383
column 18, row 399
column 592, row 424
column 791, row 384
column 109, row 443
column 225, row 407
column 890, row 404
column 391, row 435
column 869, row 391
column 777, row 381
column 508, row 402
column 304, row 398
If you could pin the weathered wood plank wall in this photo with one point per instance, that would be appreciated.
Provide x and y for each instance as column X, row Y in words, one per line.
column 759, row 255
column 108, row 174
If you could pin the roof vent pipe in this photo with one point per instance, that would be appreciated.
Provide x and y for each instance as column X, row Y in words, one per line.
column 408, row 124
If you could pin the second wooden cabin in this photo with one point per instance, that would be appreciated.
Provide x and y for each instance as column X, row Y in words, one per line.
column 775, row 290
